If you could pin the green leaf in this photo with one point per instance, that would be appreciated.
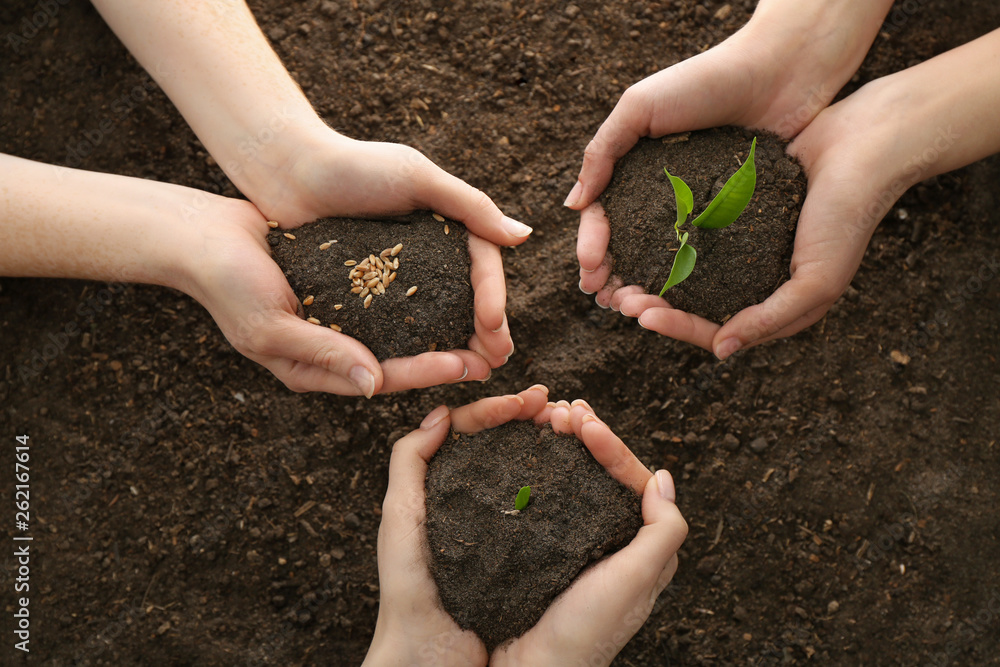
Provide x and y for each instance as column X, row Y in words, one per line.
column 523, row 496
column 732, row 200
column 683, row 266
column 683, row 198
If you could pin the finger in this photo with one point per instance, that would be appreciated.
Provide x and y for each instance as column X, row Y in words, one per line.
column 603, row 298
column 578, row 410
column 493, row 361
column 486, row 413
column 496, row 345
column 545, row 414
column 796, row 304
column 623, row 293
column 310, row 358
column 592, row 237
column 593, row 281
column 627, row 122
column 559, row 418
column 478, row 368
column 454, row 198
column 424, row 370
column 608, row 449
column 635, row 305
column 535, row 398
column 404, row 499
column 679, row 325
column 487, row 282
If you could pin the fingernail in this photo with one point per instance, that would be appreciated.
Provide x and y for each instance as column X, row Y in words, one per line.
column 434, row 418
column 465, row 373
column 728, row 347
column 665, row 483
column 515, row 228
column 363, row 380
column 574, row 195
column 488, row 376
column 590, row 418
column 581, row 287
column 539, row 386
column 497, row 330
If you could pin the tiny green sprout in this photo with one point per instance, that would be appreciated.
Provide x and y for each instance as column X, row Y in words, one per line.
column 723, row 211
column 523, row 496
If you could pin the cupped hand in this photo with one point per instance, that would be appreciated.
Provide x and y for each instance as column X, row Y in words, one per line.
column 618, row 593
column 247, row 294
column 605, row 606
column 412, row 627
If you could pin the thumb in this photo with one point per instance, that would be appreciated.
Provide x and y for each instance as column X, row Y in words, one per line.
column 616, row 136
column 309, row 357
column 452, row 197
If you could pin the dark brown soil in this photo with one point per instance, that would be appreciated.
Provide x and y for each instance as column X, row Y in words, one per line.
column 736, row 267
column 497, row 573
column 172, row 479
column 438, row 316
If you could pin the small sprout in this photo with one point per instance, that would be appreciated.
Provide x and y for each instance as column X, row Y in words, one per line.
column 523, row 496
column 723, row 211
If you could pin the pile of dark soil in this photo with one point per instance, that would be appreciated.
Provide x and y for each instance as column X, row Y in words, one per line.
column 498, row 572
column 438, row 315
column 191, row 510
column 738, row 266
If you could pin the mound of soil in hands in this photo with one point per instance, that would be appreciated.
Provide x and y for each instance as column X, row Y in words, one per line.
column 319, row 260
column 738, row 266
column 497, row 573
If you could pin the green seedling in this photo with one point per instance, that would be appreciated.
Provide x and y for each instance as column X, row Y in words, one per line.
column 723, row 211
column 523, row 496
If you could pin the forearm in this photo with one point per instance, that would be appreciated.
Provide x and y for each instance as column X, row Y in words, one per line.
column 67, row 223
column 216, row 66
column 950, row 109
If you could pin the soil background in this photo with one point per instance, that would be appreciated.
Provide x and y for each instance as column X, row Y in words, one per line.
column 189, row 510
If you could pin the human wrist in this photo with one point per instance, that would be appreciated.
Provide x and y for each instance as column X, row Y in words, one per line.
column 809, row 50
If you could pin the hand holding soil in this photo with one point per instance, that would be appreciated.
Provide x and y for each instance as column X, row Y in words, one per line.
column 858, row 154
column 618, row 592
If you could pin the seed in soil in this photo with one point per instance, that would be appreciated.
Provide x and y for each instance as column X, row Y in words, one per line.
column 290, row 237
column 324, row 246
column 411, row 291
column 312, row 320
column 350, row 262
column 438, row 217
column 368, row 300
column 273, row 224
column 336, row 327
column 447, row 230
column 308, row 301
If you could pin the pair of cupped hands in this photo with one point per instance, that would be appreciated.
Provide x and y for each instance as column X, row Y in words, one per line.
column 740, row 82
column 588, row 623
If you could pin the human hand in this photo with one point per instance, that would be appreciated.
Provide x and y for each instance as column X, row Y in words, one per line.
column 605, row 606
column 636, row 574
column 412, row 626
column 338, row 176
column 234, row 277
